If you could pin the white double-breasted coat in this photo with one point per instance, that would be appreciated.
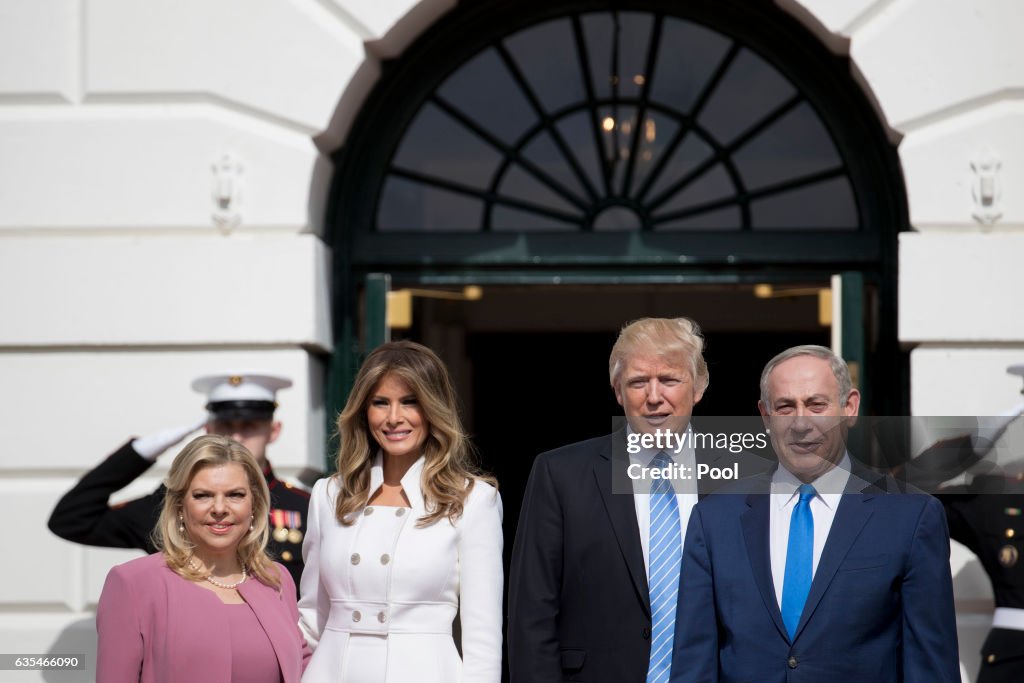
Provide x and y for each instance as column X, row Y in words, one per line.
column 379, row 596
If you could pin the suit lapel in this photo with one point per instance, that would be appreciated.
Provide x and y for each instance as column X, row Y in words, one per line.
column 259, row 598
column 710, row 458
column 755, row 522
column 708, row 455
column 852, row 514
column 622, row 513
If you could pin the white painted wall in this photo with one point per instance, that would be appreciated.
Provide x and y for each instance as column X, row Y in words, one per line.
column 164, row 290
column 118, row 285
column 117, row 282
column 962, row 286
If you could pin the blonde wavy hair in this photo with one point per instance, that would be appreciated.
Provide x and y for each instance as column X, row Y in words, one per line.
column 449, row 470
column 210, row 451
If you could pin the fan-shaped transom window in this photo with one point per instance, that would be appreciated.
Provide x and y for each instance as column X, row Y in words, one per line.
column 611, row 121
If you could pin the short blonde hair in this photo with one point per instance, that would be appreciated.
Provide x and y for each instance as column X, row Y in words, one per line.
column 664, row 337
column 212, row 450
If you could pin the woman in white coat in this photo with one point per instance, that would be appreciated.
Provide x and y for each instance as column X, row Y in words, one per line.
column 406, row 534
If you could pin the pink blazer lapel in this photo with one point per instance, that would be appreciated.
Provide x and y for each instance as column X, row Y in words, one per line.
column 268, row 605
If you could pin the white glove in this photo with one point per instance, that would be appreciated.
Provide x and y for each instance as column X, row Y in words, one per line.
column 151, row 446
column 991, row 428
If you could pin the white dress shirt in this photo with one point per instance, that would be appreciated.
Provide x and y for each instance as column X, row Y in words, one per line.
column 784, row 497
column 686, row 493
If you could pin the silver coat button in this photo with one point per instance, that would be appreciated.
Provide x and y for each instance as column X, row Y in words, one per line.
column 382, row 617
column 399, row 512
column 385, row 558
column 368, row 511
column 356, row 616
column 355, row 558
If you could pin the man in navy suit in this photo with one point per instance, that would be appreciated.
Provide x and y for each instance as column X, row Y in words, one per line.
column 821, row 570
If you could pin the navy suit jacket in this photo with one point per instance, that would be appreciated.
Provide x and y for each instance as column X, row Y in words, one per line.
column 880, row 607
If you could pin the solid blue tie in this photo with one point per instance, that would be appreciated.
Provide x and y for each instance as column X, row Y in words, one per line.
column 665, row 557
column 799, row 560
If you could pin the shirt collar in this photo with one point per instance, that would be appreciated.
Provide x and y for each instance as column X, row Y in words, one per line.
column 410, row 482
column 829, row 486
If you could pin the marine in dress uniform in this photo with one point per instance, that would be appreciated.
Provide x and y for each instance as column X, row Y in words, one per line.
column 240, row 405
column 987, row 516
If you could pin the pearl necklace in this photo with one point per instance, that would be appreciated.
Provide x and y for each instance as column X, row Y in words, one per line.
column 215, row 582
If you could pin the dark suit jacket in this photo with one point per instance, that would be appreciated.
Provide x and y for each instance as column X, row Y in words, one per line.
column 83, row 516
column 578, row 597
column 986, row 517
column 880, row 607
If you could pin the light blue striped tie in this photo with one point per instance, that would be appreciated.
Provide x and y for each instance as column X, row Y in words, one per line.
column 665, row 556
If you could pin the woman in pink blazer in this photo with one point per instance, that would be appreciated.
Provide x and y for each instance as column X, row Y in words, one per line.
column 211, row 606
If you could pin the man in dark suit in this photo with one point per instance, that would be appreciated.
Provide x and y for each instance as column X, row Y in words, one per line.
column 595, row 565
column 986, row 515
column 239, row 405
column 821, row 570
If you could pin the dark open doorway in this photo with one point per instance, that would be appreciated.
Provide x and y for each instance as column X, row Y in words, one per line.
column 531, row 362
column 536, row 391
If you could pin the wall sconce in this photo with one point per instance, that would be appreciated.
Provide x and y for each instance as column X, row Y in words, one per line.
column 986, row 187
column 226, row 192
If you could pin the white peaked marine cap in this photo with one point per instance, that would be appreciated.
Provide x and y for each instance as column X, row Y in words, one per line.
column 242, row 394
